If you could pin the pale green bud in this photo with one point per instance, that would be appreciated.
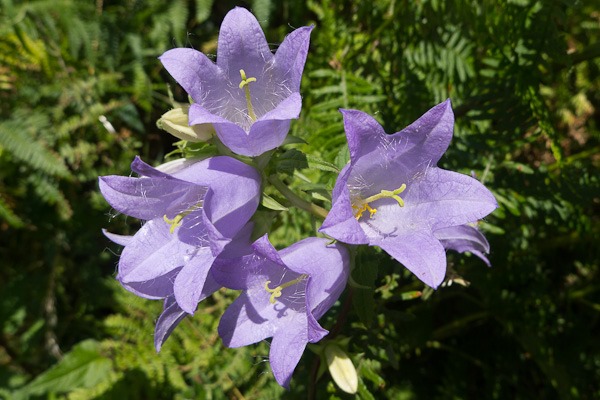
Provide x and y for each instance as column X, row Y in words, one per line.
column 176, row 123
column 341, row 368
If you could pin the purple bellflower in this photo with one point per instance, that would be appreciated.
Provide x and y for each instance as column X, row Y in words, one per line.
column 393, row 195
column 191, row 214
column 284, row 294
column 250, row 94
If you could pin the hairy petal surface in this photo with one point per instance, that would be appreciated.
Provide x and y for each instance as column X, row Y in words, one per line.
column 392, row 194
column 310, row 275
column 196, row 212
column 420, row 252
column 193, row 71
column 249, row 95
column 291, row 57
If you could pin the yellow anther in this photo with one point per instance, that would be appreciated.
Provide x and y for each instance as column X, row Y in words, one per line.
column 276, row 292
column 364, row 205
column 244, row 84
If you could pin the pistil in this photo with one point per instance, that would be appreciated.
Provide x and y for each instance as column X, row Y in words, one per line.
column 364, row 205
column 176, row 221
column 245, row 84
column 276, row 292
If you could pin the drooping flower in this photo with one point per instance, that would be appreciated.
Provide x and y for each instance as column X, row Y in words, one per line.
column 393, row 195
column 192, row 213
column 249, row 95
column 284, row 294
column 464, row 238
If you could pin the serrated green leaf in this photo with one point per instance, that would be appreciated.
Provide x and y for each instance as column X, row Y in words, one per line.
column 314, row 162
column 291, row 160
column 272, row 204
column 83, row 367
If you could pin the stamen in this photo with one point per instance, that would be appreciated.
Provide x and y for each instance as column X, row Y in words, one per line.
column 363, row 205
column 276, row 292
column 245, row 84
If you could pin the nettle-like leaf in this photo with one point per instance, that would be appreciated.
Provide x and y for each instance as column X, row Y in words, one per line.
column 83, row 367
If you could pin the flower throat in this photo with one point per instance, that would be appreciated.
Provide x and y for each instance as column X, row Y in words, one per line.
column 276, row 292
column 363, row 205
column 176, row 221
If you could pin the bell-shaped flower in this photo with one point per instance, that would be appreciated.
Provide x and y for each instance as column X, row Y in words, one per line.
column 393, row 195
column 192, row 211
column 250, row 94
column 284, row 294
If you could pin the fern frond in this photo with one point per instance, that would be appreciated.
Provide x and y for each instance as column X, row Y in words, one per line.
column 17, row 137
column 9, row 216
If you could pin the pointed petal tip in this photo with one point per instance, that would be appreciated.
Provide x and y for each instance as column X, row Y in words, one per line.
column 305, row 29
column 137, row 164
column 350, row 111
column 446, row 105
column 239, row 9
column 238, row 12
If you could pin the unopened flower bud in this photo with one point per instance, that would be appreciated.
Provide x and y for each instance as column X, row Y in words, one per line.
column 341, row 368
column 176, row 123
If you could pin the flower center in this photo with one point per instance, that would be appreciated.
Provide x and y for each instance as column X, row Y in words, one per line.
column 276, row 292
column 245, row 84
column 362, row 205
column 176, row 221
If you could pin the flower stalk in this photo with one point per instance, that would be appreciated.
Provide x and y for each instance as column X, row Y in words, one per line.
column 297, row 201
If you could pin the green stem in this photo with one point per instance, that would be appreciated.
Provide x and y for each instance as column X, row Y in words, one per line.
column 296, row 200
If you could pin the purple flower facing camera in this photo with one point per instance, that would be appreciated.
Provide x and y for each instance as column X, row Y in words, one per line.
column 393, row 195
column 250, row 94
column 284, row 293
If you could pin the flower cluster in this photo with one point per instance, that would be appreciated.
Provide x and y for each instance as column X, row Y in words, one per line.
column 195, row 238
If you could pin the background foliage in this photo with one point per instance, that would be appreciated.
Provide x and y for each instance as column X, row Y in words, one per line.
column 81, row 89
